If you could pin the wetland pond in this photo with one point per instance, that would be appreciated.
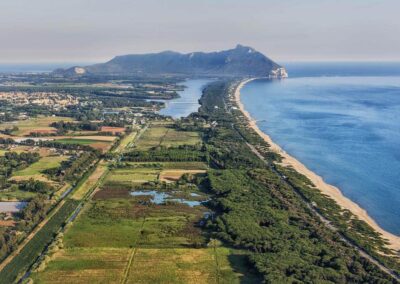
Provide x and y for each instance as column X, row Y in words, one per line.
column 158, row 197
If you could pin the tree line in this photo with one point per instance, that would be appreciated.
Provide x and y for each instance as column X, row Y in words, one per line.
column 258, row 213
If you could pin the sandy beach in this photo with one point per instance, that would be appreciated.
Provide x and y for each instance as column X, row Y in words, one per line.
column 330, row 190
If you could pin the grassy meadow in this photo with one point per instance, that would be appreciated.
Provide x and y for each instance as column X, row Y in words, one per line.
column 41, row 165
column 35, row 171
column 128, row 176
column 119, row 238
column 90, row 181
column 126, row 141
column 102, row 144
column 40, row 124
column 163, row 135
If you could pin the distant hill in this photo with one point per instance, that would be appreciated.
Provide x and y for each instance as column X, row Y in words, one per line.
column 240, row 61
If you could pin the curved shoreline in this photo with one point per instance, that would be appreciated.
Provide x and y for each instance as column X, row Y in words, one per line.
column 330, row 190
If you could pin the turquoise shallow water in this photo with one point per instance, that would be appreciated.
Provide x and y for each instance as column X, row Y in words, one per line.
column 344, row 128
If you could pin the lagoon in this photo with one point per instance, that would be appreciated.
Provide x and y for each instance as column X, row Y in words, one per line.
column 188, row 101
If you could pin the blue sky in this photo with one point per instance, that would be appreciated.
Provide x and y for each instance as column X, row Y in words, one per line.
column 96, row 30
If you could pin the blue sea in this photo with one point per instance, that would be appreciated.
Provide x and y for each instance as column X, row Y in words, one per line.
column 342, row 120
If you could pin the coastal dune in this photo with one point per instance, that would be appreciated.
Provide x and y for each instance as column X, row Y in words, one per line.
column 330, row 190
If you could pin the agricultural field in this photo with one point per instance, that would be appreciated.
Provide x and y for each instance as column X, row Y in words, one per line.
column 84, row 139
column 16, row 194
column 182, row 265
column 90, row 181
column 83, row 133
column 142, row 172
column 163, row 135
column 143, row 222
column 174, row 175
column 101, row 249
column 35, row 170
column 169, row 165
column 65, row 206
column 39, row 124
column 76, row 141
column 45, row 169
column 102, row 143
column 43, row 151
column 126, row 141
column 168, row 265
column 49, row 159
column 124, row 235
column 113, row 130
column 131, row 176
column 99, row 265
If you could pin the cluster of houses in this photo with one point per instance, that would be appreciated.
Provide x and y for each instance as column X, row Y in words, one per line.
column 50, row 99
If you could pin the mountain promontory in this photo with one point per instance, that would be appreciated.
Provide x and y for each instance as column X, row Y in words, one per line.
column 239, row 61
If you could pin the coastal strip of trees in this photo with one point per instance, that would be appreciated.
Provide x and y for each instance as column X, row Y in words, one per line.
column 258, row 212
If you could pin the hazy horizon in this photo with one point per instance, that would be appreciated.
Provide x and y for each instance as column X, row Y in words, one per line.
column 90, row 31
column 81, row 63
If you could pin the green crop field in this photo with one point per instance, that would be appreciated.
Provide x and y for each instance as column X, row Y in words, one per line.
column 102, row 145
column 38, row 124
column 176, row 138
column 16, row 194
column 41, row 165
column 171, row 165
column 107, row 233
column 150, row 265
column 77, row 141
column 139, row 173
column 98, row 244
column 132, row 176
column 101, row 226
column 183, row 265
column 151, row 137
column 168, row 137
column 98, row 265
column 90, row 181
column 167, row 245
column 118, row 223
column 128, row 139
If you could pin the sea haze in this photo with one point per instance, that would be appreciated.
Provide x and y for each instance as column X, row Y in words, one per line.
column 345, row 128
column 36, row 67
